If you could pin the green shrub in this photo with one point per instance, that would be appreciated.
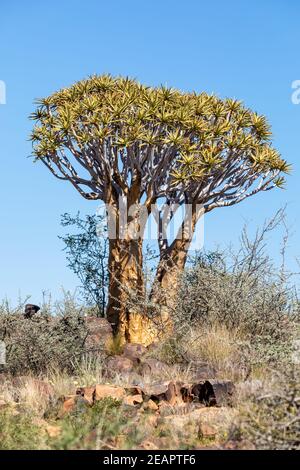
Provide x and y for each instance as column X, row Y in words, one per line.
column 18, row 432
column 49, row 339
column 87, row 256
column 105, row 425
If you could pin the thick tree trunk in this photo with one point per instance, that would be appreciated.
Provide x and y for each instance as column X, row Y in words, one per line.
column 126, row 309
column 126, row 282
column 170, row 267
column 172, row 264
column 165, row 287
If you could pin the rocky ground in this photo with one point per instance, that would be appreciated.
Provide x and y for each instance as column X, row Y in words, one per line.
column 153, row 405
column 128, row 398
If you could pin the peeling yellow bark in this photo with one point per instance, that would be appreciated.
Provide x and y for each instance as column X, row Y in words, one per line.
column 130, row 323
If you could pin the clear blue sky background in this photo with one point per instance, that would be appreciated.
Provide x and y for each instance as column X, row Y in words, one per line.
column 246, row 50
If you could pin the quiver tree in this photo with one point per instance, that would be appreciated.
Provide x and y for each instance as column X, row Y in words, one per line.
column 114, row 139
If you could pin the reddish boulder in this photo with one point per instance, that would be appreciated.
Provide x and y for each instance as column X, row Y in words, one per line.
column 133, row 400
column 106, row 391
column 152, row 366
column 169, row 392
column 118, row 364
column 68, row 405
column 88, row 393
column 99, row 332
column 134, row 352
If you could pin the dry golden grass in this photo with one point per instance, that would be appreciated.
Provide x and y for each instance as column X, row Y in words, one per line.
column 215, row 344
column 218, row 347
column 31, row 398
column 114, row 345
column 62, row 383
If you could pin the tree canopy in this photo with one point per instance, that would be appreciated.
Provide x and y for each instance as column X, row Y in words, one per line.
column 106, row 132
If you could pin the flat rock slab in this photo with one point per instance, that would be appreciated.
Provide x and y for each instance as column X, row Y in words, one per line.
column 105, row 391
column 134, row 390
column 133, row 400
column 169, row 392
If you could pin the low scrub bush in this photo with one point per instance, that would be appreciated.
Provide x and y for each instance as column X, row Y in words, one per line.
column 271, row 418
column 18, row 432
column 237, row 301
column 51, row 338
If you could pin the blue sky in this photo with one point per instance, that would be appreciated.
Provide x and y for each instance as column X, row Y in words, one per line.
column 245, row 50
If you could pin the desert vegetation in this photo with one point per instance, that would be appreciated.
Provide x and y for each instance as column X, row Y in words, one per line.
column 132, row 146
column 149, row 290
column 161, row 349
column 226, row 378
